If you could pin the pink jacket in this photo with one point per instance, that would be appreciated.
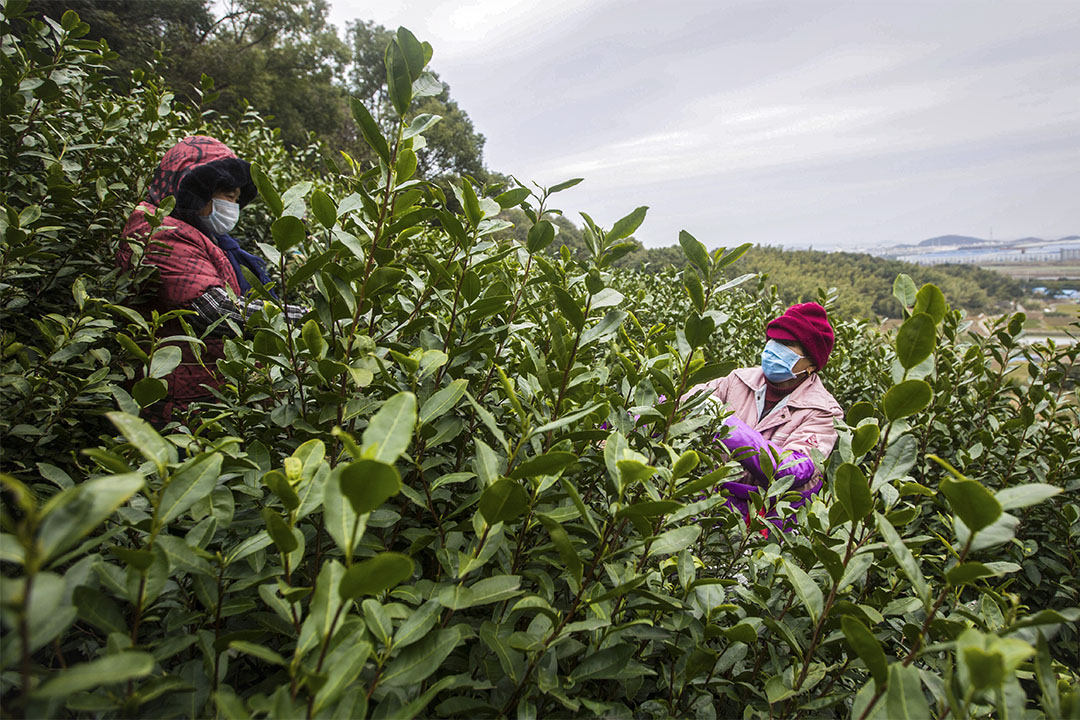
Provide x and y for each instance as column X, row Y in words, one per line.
column 799, row 423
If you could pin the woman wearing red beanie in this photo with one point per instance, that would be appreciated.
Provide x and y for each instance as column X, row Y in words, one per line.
column 780, row 409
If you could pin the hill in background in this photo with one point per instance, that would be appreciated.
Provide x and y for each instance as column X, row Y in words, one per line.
column 865, row 281
column 951, row 240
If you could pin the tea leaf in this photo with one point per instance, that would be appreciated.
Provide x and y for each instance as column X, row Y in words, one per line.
column 907, row 398
column 390, row 431
column 867, row 647
column 191, row 483
column 368, row 484
column 806, row 589
column 373, row 576
column 853, row 491
column 904, row 698
column 503, row 501
column 904, row 558
column 916, row 339
column 109, row 670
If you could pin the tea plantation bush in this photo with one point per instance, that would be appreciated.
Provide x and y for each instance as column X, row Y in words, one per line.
column 471, row 482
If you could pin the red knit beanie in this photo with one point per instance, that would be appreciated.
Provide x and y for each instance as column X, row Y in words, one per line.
column 808, row 325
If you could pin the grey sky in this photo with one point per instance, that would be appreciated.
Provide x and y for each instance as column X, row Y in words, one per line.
column 806, row 122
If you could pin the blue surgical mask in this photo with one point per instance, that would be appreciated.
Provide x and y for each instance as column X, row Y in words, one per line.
column 778, row 362
column 222, row 217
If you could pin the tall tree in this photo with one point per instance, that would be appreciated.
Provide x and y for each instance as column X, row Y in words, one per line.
column 284, row 59
column 454, row 147
column 137, row 28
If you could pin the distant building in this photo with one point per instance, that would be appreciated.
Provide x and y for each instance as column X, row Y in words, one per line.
column 1058, row 251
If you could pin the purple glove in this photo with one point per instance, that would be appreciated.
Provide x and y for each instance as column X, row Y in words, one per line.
column 739, row 501
column 747, row 446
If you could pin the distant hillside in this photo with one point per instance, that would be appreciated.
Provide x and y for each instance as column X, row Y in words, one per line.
column 865, row 281
column 968, row 240
column 951, row 240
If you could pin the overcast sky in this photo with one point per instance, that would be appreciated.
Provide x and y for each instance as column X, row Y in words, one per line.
column 800, row 123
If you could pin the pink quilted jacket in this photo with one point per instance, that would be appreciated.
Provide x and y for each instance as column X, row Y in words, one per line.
column 802, row 422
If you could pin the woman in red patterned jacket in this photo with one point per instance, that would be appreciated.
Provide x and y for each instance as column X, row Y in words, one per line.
column 199, row 263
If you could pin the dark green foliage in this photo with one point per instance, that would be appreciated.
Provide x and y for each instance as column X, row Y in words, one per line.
column 455, row 489
column 281, row 58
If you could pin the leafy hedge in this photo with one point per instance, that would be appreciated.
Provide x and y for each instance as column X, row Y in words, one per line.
column 471, row 482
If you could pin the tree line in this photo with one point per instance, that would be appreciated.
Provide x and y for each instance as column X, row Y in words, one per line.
column 281, row 58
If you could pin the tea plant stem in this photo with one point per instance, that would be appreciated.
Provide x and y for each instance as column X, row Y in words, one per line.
column 787, row 605
column 881, row 450
column 421, row 447
column 375, row 681
column 569, row 367
column 292, row 346
column 671, row 677
column 24, row 637
column 376, row 236
column 322, row 654
column 288, row 581
column 586, row 581
column 737, row 554
column 329, row 635
column 138, row 609
column 318, row 543
column 453, row 313
column 509, row 321
column 412, row 316
column 917, row 644
column 678, row 396
column 217, row 623
column 819, row 627
column 832, row 681
column 58, row 653
column 475, row 555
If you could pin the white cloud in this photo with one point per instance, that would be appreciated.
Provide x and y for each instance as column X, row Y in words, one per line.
column 777, row 120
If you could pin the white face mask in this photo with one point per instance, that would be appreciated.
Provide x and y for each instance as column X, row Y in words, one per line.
column 222, row 217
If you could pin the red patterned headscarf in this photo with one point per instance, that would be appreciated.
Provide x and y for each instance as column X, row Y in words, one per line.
column 194, row 169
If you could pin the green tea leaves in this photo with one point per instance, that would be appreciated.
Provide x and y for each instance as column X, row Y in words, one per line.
column 868, row 648
column 288, row 232
column 625, row 227
column 853, row 491
column 369, row 129
column 503, row 501
column 109, row 670
column 390, row 431
column 904, row 558
column 972, row 503
column 367, row 484
column 916, row 339
column 375, row 575
column 191, row 483
column 907, row 398
column 806, row 589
